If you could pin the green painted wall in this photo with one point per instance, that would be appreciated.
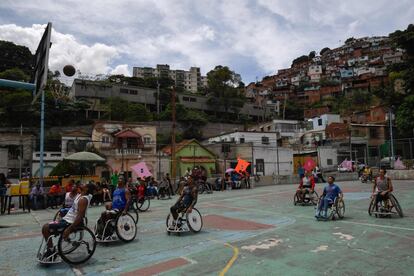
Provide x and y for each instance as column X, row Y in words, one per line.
column 191, row 150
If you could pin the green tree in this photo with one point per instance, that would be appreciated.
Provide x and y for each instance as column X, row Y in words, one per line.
column 15, row 74
column 15, row 56
column 405, row 117
column 324, row 50
column 225, row 90
column 122, row 110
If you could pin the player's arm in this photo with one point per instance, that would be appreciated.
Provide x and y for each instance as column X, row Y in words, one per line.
column 390, row 187
column 128, row 201
column 82, row 206
column 374, row 186
column 312, row 184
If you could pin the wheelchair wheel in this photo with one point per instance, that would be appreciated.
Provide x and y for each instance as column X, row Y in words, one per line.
column 296, row 199
column 200, row 188
column 372, row 208
column 194, row 221
column 144, row 205
column 340, row 208
column 396, row 205
column 126, row 229
column 314, row 198
column 79, row 247
column 134, row 213
column 57, row 216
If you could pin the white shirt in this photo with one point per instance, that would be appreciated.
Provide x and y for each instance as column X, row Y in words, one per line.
column 73, row 211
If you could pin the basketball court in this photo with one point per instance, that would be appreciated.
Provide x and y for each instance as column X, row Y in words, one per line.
column 245, row 232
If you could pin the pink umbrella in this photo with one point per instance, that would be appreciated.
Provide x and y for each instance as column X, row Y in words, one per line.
column 309, row 164
column 398, row 164
column 141, row 170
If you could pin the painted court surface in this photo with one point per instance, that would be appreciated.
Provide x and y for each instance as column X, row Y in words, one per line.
column 245, row 232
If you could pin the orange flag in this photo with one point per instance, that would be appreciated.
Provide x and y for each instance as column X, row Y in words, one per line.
column 241, row 165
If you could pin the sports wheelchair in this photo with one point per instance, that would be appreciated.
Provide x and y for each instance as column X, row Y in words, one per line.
column 309, row 198
column 385, row 208
column 335, row 210
column 185, row 222
column 76, row 249
column 122, row 227
column 61, row 213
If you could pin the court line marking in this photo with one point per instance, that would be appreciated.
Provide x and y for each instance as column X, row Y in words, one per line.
column 377, row 225
column 232, row 260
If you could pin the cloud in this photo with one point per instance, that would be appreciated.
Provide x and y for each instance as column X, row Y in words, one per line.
column 93, row 59
column 254, row 38
column 122, row 69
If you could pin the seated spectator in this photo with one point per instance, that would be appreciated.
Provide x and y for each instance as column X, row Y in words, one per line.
column 37, row 196
column 97, row 197
column 92, row 190
column 69, row 186
column 152, row 188
column 106, row 192
column 54, row 197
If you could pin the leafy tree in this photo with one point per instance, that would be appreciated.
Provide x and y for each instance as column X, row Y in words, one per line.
column 15, row 56
column 312, row 54
column 15, row 74
column 122, row 110
column 300, row 59
column 361, row 99
column 293, row 111
column 16, row 108
column 324, row 50
column 225, row 90
column 405, row 117
column 349, row 40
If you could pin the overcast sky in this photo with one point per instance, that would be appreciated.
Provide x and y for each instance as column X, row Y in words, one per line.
column 253, row 38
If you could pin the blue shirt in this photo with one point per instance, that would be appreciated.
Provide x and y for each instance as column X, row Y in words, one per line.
column 119, row 199
column 332, row 191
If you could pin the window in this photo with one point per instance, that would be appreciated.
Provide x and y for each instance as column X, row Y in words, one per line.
column 265, row 140
column 260, row 166
column 106, row 140
column 14, row 152
column 373, row 133
column 133, row 92
column 147, row 140
column 319, row 122
column 241, row 140
column 329, row 162
column 233, row 139
column 123, row 91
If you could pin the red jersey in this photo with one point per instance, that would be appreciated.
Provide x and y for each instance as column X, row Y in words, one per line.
column 141, row 191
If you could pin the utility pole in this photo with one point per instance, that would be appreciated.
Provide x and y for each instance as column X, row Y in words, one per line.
column 159, row 127
column 158, row 98
column 21, row 152
column 350, row 144
column 277, row 157
column 284, row 106
column 173, row 161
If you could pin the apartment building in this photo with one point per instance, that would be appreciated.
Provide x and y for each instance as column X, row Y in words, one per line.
column 190, row 80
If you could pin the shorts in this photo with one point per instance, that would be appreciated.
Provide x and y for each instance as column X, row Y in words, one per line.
column 58, row 226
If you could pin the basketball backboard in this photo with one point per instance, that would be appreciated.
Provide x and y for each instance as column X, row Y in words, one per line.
column 41, row 62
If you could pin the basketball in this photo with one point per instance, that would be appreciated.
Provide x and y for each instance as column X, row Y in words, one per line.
column 69, row 70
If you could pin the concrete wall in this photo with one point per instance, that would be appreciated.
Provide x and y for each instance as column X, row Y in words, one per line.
column 270, row 156
column 401, row 174
column 325, row 153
